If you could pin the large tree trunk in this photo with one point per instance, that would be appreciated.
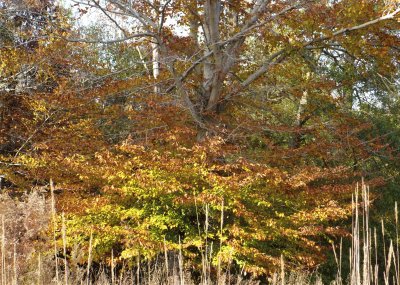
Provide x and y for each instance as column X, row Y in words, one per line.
column 155, row 46
column 156, row 65
column 213, row 77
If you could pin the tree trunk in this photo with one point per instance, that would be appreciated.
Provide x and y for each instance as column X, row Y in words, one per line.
column 156, row 65
column 213, row 77
column 298, row 137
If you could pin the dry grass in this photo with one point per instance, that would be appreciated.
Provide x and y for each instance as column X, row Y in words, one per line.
column 22, row 222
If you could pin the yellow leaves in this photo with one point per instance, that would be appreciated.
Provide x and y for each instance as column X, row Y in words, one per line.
column 225, row 254
column 264, row 204
column 130, row 253
column 197, row 241
column 324, row 213
column 39, row 108
column 132, row 213
column 31, row 162
column 304, row 176
column 10, row 61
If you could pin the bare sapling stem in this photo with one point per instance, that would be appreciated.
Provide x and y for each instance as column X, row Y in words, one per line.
column 54, row 221
column 166, row 261
column 203, row 265
column 366, row 236
column 206, row 246
column 376, row 258
column 148, row 271
column 356, row 277
column 383, row 241
column 39, row 272
column 64, row 237
column 282, row 271
column 388, row 263
column 351, row 250
column 138, row 269
column 210, row 260
column 180, row 261
column 351, row 265
column 112, row 267
column 340, row 261
column 220, row 243
column 89, row 258
column 396, row 216
column 3, row 252
column 338, row 274
column 15, row 282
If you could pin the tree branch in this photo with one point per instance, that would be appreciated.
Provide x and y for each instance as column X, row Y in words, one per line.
column 389, row 16
column 143, row 19
column 163, row 16
column 275, row 58
column 109, row 17
column 190, row 69
column 251, row 26
column 139, row 35
column 279, row 56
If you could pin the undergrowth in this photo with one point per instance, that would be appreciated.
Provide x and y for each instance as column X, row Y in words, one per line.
column 31, row 254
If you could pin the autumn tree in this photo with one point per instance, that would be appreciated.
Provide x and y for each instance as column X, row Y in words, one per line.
column 230, row 128
column 220, row 34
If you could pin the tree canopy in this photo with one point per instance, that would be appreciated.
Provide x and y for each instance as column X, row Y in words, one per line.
column 233, row 128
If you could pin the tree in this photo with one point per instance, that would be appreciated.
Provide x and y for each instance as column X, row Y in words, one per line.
column 193, row 111
column 219, row 36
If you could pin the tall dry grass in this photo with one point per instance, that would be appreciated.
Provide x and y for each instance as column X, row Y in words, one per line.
column 21, row 223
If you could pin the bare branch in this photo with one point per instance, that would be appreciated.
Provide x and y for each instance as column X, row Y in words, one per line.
column 163, row 16
column 190, row 69
column 110, row 18
column 389, row 16
column 139, row 35
column 275, row 58
column 251, row 25
column 143, row 19
column 96, row 7
column 279, row 56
